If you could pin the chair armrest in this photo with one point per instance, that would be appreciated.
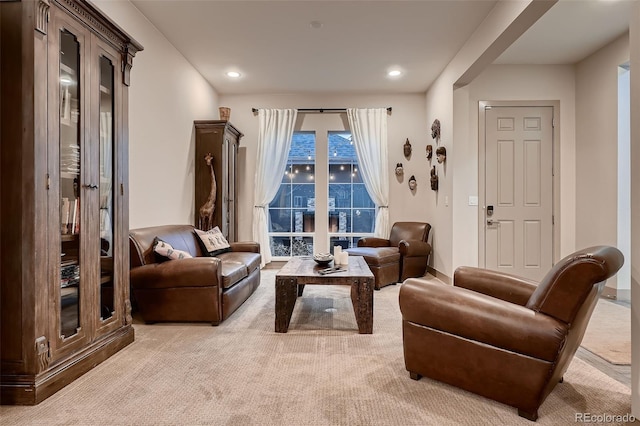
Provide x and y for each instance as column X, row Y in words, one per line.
column 409, row 248
column 192, row 272
column 481, row 318
column 373, row 242
column 507, row 287
column 250, row 246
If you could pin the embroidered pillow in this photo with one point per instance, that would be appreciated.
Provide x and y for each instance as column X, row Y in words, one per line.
column 164, row 249
column 213, row 242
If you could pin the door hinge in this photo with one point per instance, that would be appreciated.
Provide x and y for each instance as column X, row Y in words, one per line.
column 121, row 189
column 553, row 123
column 553, row 220
column 48, row 181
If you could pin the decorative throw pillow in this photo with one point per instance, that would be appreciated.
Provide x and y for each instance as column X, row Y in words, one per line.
column 213, row 242
column 164, row 249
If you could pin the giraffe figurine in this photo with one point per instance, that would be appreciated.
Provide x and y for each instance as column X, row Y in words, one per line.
column 206, row 210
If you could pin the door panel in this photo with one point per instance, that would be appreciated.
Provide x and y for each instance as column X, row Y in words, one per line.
column 519, row 190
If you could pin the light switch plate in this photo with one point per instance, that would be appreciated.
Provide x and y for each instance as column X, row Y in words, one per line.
column 473, row 200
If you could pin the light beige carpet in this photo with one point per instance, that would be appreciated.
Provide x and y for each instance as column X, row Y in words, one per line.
column 608, row 334
column 322, row 372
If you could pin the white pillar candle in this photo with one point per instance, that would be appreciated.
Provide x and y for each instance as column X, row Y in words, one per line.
column 337, row 250
column 344, row 258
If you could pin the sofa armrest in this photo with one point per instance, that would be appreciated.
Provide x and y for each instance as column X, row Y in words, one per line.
column 507, row 287
column 481, row 318
column 192, row 272
column 373, row 242
column 410, row 248
column 250, row 246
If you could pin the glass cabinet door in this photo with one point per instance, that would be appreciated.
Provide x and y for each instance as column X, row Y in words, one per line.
column 107, row 188
column 70, row 184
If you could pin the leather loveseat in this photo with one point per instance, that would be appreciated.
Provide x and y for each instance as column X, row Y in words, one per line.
column 201, row 288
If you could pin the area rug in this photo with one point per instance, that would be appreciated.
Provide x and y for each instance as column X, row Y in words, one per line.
column 608, row 334
column 322, row 372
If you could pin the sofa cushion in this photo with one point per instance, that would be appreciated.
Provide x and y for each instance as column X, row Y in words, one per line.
column 213, row 242
column 250, row 259
column 165, row 251
column 180, row 237
column 376, row 256
column 232, row 272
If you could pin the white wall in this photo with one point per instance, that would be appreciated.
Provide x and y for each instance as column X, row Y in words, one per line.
column 405, row 121
column 514, row 83
column 165, row 96
column 597, row 147
column 501, row 27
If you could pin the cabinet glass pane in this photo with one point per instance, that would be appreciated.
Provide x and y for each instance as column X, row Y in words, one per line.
column 69, row 184
column 107, row 150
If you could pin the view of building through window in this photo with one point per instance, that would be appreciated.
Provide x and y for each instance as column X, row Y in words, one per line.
column 292, row 213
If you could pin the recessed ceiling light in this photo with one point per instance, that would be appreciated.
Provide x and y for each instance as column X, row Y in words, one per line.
column 233, row 74
column 394, row 73
column 316, row 24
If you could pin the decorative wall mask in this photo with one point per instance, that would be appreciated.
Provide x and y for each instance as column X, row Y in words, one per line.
column 399, row 169
column 441, row 154
column 429, row 152
column 407, row 148
column 435, row 129
column 412, row 182
column 434, row 179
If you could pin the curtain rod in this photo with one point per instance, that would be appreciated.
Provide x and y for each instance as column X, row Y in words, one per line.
column 255, row 110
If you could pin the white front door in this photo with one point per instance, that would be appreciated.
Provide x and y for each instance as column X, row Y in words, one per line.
column 519, row 190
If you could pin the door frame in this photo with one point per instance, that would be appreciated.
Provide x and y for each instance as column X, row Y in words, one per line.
column 555, row 177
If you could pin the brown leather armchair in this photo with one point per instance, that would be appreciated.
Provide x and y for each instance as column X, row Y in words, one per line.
column 500, row 336
column 403, row 255
column 194, row 289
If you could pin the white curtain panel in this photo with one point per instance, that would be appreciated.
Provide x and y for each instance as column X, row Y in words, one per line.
column 274, row 142
column 369, row 133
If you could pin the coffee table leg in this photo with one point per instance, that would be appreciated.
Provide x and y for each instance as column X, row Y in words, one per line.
column 286, row 295
column 362, row 300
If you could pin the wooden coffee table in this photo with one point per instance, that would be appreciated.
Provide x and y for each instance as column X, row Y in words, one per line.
column 298, row 272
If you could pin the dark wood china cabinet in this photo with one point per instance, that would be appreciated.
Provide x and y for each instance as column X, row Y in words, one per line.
column 64, row 294
column 217, row 143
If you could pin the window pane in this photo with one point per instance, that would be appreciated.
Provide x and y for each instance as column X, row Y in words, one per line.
column 339, row 241
column 302, row 246
column 363, row 220
column 341, row 193
column 281, row 246
column 283, row 197
column 361, row 197
column 280, row 220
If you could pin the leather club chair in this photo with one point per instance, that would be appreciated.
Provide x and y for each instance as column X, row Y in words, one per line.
column 500, row 336
column 403, row 255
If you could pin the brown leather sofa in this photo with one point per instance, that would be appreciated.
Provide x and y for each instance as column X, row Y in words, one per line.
column 196, row 289
column 500, row 336
column 403, row 255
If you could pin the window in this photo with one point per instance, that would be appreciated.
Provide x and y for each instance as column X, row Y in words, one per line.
column 349, row 210
column 292, row 211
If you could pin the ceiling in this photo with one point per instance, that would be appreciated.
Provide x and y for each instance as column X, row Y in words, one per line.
column 349, row 46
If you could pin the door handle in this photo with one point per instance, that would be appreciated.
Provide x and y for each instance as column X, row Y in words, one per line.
column 491, row 222
column 92, row 186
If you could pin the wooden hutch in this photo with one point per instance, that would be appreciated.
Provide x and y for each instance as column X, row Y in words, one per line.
column 64, row 216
